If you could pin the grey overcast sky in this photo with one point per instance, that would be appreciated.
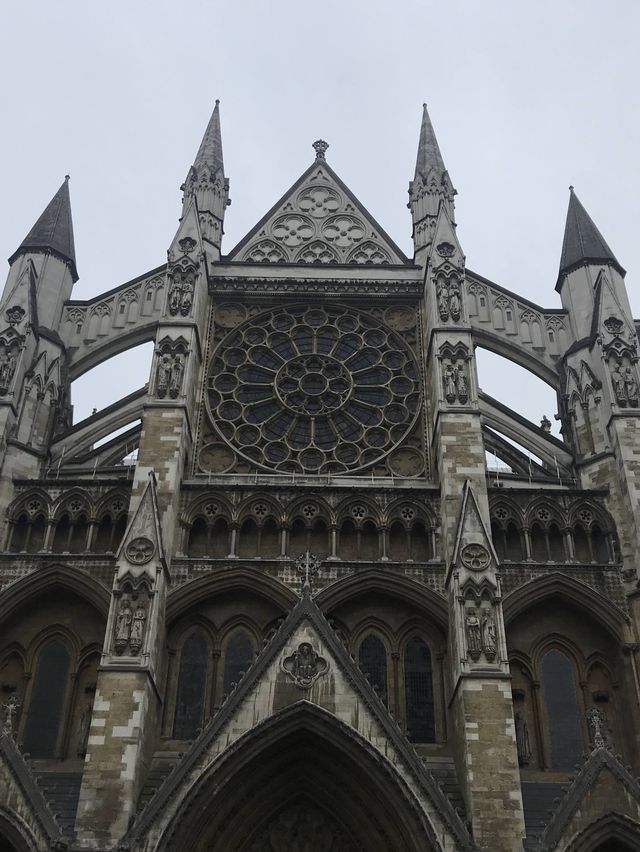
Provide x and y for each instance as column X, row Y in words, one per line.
column 526, row 98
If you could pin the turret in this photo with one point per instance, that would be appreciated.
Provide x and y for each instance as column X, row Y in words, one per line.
column 207, row 185
column 430, row 186
column 43, row 268
column 585, row 255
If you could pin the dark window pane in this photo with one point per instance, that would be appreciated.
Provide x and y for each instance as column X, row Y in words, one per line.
column 418, row 684
column 563, row 714
column 237, row 659
column 372, row 658
column 191, row 684
column 47, row 700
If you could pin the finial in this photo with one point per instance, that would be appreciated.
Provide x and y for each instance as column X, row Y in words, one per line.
column 217, row 101
column 67, row 177
column 307, row 565
column 320, row 147
column 598, row 722
column 570, row 189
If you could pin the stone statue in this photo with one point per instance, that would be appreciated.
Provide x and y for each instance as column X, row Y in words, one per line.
column 305, row 665
column 164, row 375
column 123, row 626
column 461, row 383
column 10, row 708
column 175, row 299
column 449, row 379
column 443, row 301
column 489, row 638
column 187, row 297
column 176, row 376
column 619, row 384
column 137, row 628
column 631, row 387
column 473, row 632
column 454, row 300
column 522, row 739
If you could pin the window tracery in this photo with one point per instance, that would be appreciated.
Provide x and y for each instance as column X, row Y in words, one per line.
column 312, row 389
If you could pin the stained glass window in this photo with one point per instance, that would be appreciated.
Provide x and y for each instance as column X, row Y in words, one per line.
column 194, row 660
column 372, row 658
column 418, row 685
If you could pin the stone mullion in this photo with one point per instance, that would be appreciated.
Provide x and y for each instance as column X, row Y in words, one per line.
column 233, row 542
column 567, row 535
column 526, row 540
column 284, row 535
column 383, row 543
column 334, row 542
column 395, row 674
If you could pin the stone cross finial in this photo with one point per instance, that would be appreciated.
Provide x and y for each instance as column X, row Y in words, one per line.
column 597, row 721
column 307, row 565
column 10, row 708
column 320, row 147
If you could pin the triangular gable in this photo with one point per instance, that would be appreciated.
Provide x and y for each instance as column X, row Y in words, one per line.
column 601, row 787
column 304, row 662
column 445, row 248
column 141, row 549
column 472, row 529
column 318, row 221
column 609, row 316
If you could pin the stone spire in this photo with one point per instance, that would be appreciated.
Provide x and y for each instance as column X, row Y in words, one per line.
column 53, row 232
column 583, row 243
column 209, row 187
column 430, row 186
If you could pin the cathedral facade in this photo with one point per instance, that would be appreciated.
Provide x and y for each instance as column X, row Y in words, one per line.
column 304, row 615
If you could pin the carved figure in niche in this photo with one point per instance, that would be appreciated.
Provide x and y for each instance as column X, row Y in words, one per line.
column 474, row 634
column 443, row 301
column 522, row 739
column 8, row 363
column 461, row 383
column 181, row 296
column 489, row 636
column 631, row 387
column 10, row 708
column 176, row 376
column 138, row 620
column 305, row 666
column 122, row 629
column 164, row 375
column 449, row 378
column 454, row 300
column 456, row 385
column 169, row 375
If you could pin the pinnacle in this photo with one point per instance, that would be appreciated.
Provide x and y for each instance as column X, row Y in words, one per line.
column 210, row 151
column 583, row 242
column 53, row 231
column 429, row 157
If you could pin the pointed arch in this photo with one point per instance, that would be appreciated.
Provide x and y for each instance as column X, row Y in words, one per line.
column 307, row 748
column 56, row 576
column 613, row 826
column 574, row 592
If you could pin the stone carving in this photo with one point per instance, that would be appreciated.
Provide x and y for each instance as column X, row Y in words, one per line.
column 139, row 550
column 169, row 375
column 522, row 739
column 301, row 828
column 489, row 635
column 319, row 201
column 292, row 230
column 305, row 666
column 130, row 624
column 8, row 364
column 598, row 722
column 473, row 630
column 187, row 244
column 475, row 557
column 445, row 249
column 448, row 293
column 181, row 293
column 14, row 315
column 625, row 384
column 84, row 724
column 320, row 147
column 307, row 565
column 10, row 708
column 456, row 386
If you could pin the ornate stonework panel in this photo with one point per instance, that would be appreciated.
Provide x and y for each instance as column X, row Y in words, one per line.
column 306, row 389
column 319, row 224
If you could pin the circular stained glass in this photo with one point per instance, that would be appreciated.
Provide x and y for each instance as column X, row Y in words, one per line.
column 316, row 390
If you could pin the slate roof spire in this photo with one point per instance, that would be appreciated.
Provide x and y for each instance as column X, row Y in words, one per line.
column 53, row 232
column 429, row 157
column 583, row 243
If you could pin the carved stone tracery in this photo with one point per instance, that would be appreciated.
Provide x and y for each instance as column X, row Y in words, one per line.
column 305, row 666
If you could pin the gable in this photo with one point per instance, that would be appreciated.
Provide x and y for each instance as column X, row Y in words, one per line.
column 318, row 221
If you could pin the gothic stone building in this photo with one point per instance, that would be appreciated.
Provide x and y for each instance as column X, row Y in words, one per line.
column 307, row 617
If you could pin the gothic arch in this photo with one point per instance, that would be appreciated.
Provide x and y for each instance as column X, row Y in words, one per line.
column 236, row 580
column 513, row 351
column 392, row 584
column 15, row 831
column 55, row 576
column 316, row 758
column 612, row 827
column 572, row 591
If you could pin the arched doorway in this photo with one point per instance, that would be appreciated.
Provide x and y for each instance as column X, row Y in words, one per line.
column 301, row 782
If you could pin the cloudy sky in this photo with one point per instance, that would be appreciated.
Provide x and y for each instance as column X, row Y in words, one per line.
column 526, row 98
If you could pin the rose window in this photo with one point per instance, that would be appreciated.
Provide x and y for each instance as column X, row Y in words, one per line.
column 316, row 390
